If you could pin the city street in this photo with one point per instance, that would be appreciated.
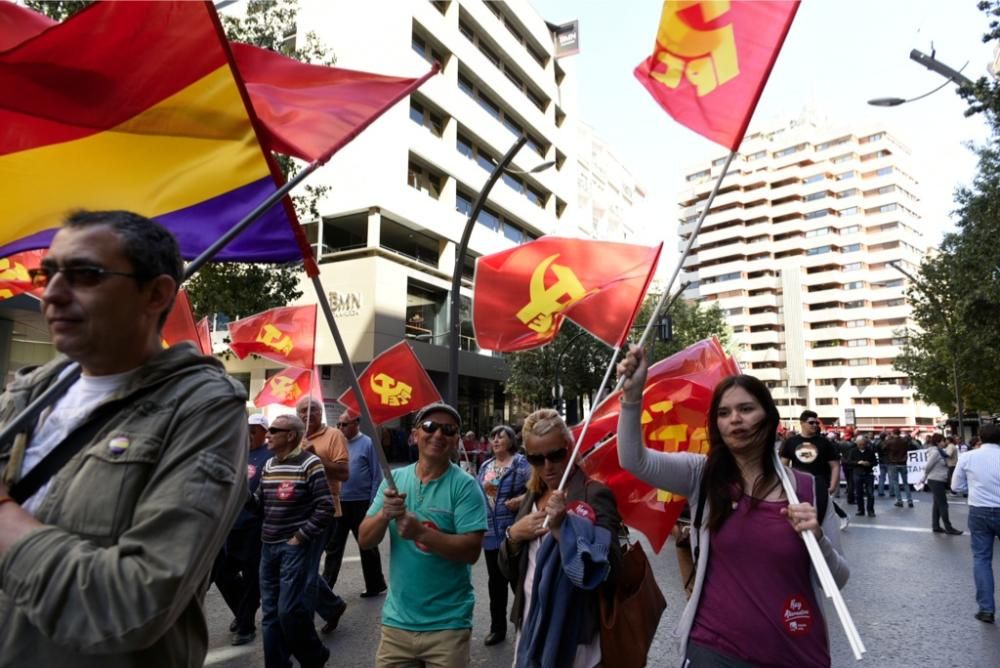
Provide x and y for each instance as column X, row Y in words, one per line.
column 911, row 595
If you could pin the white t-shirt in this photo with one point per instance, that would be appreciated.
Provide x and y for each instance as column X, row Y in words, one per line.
column 68, row 412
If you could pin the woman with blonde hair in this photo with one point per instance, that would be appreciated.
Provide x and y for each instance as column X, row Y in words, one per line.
column 559, row 570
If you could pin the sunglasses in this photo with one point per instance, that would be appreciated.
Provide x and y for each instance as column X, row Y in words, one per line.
column 346, row 424
column 430, row 426
column 812, row 422
column 80, row 276
column 554, row 457
column 277, row 430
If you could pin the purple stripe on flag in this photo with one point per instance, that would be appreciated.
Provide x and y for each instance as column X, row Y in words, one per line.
column 269, row 239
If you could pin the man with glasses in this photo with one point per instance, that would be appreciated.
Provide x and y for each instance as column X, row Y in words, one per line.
column 295, row 500
column 357, row 494
column 104, row 559
column 814, row 453
column 436, row 519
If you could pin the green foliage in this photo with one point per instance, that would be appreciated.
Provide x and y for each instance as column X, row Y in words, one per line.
column 957, row 299
column 578, row 361
column 59, row 10
column 239, row 290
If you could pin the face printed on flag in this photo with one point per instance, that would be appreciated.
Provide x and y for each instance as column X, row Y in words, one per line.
column 393, row 385
column 521, row 295
column 286, row 335
column 675, row 406
column 712, row 59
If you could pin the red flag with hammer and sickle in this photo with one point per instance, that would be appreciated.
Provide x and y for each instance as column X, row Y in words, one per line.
column 14, row 278
column 712, row 59
column 288, row 386
column 675, row 407
column 393, row 384
column 180, row 325
column 520, row 296
column 286, row 335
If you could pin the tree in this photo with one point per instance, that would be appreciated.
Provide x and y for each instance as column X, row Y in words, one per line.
column 239, row 289
column 956, row 297
column 577, row 361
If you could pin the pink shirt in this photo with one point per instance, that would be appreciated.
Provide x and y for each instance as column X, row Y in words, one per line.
column 758, row 604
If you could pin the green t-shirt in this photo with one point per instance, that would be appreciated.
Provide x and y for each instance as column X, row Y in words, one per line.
column 428, row 592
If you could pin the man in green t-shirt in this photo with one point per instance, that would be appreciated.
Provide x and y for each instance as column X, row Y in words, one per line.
column 436, row 519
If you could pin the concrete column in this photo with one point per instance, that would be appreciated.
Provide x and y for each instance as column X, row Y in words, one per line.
column 374, row 237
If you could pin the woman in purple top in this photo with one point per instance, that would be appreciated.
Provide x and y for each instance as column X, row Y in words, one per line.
column 756, row 600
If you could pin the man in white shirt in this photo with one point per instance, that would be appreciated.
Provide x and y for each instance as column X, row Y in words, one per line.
column 978, row 472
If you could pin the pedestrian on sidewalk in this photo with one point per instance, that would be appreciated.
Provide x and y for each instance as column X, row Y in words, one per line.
column 978, row 472
column 862, row 459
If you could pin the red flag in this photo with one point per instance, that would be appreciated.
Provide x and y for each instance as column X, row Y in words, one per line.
column 204, row 336
column 20, row 23
column 520, row 296
column 288, row 386
column 14, row 278
column 311, row 111
column 180, row 324
column 286, row 334
column 711, row 61
column 393, row 385
column 675, row 404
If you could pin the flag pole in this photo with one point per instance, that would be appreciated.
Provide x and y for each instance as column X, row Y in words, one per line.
column 366, row 416
column 687, row 250
column 822, row 568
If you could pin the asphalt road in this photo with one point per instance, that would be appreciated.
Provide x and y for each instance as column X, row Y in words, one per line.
column 911, row 595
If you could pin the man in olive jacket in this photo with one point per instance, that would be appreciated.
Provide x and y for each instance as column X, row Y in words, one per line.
column 107, row 563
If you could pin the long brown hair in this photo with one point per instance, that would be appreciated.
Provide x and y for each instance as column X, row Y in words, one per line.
column 722, row 473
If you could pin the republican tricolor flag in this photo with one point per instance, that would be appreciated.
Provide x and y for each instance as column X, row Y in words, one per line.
column 521, row 295
column 711, row 61
column 393, row 384
column 286, row 335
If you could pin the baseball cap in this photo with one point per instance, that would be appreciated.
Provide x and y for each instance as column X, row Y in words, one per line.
column 258, row 419
column 438, row 407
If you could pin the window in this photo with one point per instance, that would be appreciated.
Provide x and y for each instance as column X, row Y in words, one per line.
column 472, row 34
column 854, row 285
column 859, row 361
column 855, row 323
column 494, row 109
column 815, row 196
column 852, row 266
column 426, row 311
column 698, row 176
column 850, row 248
column 730, row 277
column 857, row 303
column 421, row 115
column 423, row 49
column 843, row 158
column 850, row 192
column 789, row 151
column 474, row 152
column 818, row 232
column 814, row 178
column 857, row 343
column 817, row 214
column 424, row 180
column 463, row 204
column 819, row 250
column 756, row 156
column 851, row 229
column 884, row 171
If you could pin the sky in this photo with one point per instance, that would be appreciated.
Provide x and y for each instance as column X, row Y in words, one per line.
column 838, row 54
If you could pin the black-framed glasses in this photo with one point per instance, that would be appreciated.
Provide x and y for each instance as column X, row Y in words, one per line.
column 277, row 430
column 78, row 276
column 430, row 426
column 555, row 456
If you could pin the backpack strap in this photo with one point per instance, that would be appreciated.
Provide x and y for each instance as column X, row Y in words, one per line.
column 699, row 515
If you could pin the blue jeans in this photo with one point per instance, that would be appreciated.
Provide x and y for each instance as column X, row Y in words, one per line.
column 883, row 471
column 327, row 604
column 898, row 482
column 984, row 525
column 288, row 598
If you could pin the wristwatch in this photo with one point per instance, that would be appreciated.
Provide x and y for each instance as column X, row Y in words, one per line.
column 506, row 534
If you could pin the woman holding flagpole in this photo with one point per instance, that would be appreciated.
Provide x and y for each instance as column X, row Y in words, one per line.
column 561, row 569
column 756, row 597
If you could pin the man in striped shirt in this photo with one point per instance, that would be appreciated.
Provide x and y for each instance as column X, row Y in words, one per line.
column 297, row 508
column 978, row 471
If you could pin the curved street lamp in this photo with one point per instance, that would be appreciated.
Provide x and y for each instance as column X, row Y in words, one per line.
column 463, row 247
column 953, row 76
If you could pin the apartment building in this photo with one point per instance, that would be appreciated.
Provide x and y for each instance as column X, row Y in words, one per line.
column 610, row 200
column 400, row 194
column 796, row 251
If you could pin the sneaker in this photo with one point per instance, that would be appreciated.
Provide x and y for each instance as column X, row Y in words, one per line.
column 952, row 531
column 872, row 514
column 844, row 523
column 937, row 530
column 859, row 514
column 985, row 617
column 234, row 626
column 909, row 504
column 898, row 504
column 373, row 594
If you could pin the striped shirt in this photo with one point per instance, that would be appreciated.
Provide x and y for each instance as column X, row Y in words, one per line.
column 295, row 498
column 978, row 471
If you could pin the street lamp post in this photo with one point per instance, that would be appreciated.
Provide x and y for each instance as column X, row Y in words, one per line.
column 455, row 325
column 953, row 76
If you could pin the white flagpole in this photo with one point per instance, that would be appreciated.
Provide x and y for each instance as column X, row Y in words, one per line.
column 823, row 569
